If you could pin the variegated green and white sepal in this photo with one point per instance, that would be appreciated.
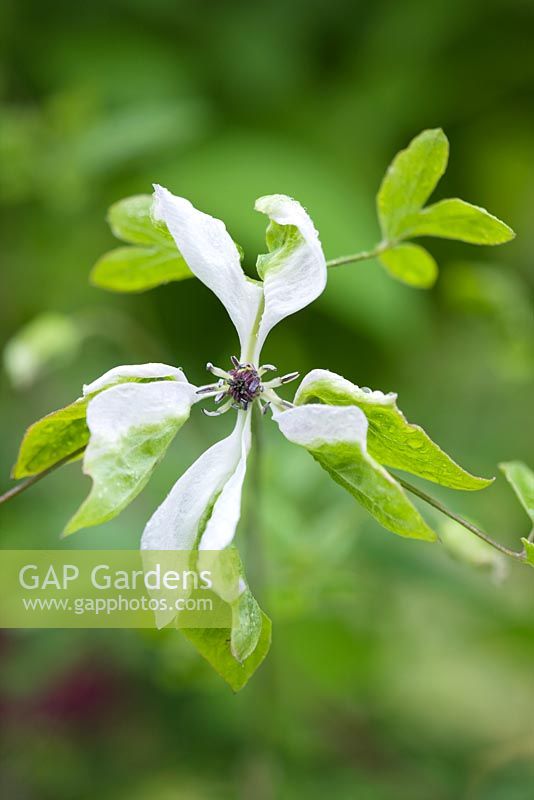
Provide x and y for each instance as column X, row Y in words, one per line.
column 201, row 514
column 337, row 439
column 391, row 440
column 133, row 413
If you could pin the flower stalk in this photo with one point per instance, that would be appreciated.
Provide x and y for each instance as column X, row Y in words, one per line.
column 364, row 255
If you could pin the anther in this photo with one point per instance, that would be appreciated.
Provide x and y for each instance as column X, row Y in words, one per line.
column 291, row 376
column 266, row 368
column 210, row 388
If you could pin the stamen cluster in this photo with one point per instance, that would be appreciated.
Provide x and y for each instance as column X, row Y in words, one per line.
column 242, row 385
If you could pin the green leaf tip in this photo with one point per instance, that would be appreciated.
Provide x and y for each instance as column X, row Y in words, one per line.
column 214, row 644
column 391, row 439
column 410, row 180
column 456, row 219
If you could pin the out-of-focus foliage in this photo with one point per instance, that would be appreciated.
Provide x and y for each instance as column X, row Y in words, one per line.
column 502, row 301
column 47, row 342
column 466, row 548
column 395, row 672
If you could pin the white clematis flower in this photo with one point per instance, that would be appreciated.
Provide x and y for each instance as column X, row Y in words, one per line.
column 127, row 418
column 133, row 412
column 294, row 274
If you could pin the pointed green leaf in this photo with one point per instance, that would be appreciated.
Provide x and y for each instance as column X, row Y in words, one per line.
column 521, row 478
column 214, row 644
column 154, row 261
column 294, row 270
column 131, row 426
column 391, row 439
column 51, row 439
column 410, row 264
column 456, row 219
column 411, row 179
column 335, row 437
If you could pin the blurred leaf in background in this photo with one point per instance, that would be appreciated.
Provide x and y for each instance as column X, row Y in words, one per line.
column 46, row 343
column 502, row 300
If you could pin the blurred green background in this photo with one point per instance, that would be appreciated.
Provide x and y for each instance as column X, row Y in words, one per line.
column 395, row 671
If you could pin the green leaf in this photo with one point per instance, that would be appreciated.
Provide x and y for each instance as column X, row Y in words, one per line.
column 154, row 260
column 391, row 439
column 214, row 644
column 131, row 425
column 373, row 487
column 456, row 219
column 136, row 269
column 521, row 479
column 52, row 439
column 49, row 341
column 336, row 438
column 131, row 221
column 411, row 179
column 411, row 264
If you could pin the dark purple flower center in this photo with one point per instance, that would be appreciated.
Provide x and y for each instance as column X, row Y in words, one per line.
column 245, row 385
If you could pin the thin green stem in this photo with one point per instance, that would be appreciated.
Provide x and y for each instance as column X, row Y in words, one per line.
column 255, row 539
column 520, row 555
column 23, row 485
column 364, row 255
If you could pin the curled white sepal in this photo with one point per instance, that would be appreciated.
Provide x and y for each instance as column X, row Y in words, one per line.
column 213, row 257
column 294, row 271
column 132, row 372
